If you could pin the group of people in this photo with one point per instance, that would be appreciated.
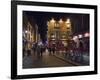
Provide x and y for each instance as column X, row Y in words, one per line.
column 73, row 49
column 51, row 49
column 76, row 50
column 38, row 48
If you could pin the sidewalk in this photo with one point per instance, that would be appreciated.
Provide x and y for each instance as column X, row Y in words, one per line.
column 75, row 60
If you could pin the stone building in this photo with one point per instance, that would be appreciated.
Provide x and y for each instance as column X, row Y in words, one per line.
column 59, row 31
column 30, row 31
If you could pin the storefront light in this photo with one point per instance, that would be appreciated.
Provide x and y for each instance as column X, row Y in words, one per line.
column 40, row 43
column 75, row 37
column 80, row 36
column 53, row 39
column 53, row 36
column 86, row 35
column 26, row 31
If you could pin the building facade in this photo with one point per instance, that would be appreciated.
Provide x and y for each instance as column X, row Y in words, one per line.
column 30, row 32
column 59, row 32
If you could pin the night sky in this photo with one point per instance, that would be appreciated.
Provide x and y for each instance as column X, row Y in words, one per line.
column 80, row 22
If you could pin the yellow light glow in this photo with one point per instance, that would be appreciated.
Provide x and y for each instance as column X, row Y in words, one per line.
column 68, row 25
column 68, row 21
column 60, row 21
column 53, row 36
column 53, row 39
column 52, row 20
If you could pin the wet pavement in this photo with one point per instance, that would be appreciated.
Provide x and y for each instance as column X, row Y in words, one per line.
column 46, row 60
column 77, row 60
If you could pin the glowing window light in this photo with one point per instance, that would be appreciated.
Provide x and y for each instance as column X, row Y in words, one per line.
column 63, row 36
column 53, row 36
column 68, row 25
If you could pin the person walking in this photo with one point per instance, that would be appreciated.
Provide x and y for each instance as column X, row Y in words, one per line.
column 81, row 48
column 38, row 50
column 42, row 49
column 33, row 48
column 49, row 48
column 53, row 49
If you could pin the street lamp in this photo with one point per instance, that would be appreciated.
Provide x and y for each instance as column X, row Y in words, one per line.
column 60, row 21
column 68, row 20
column 52, row 20
column 68, row 23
